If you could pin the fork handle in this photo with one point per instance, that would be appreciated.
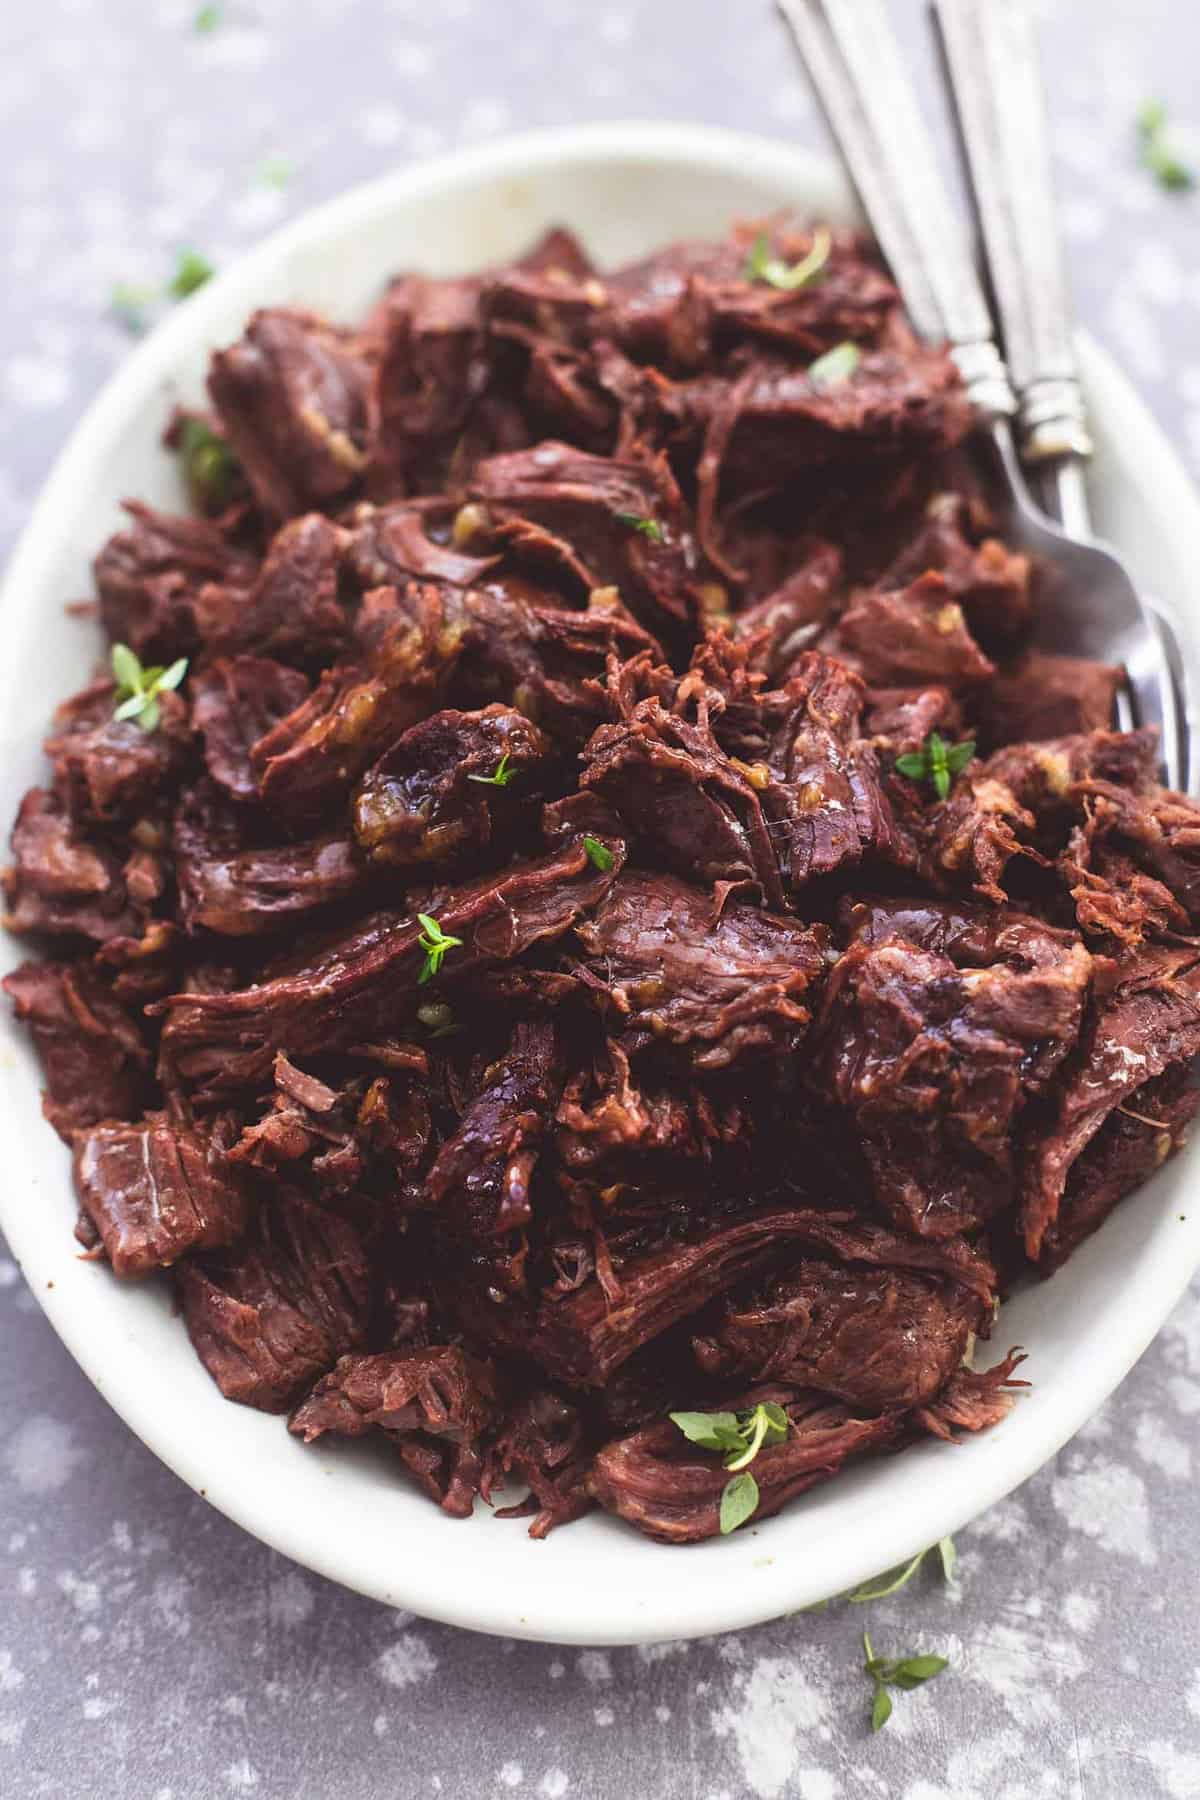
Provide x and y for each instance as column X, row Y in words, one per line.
column 859, row 77
column 992, row 67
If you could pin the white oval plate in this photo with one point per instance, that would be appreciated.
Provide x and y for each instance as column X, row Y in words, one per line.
column 346, row 1512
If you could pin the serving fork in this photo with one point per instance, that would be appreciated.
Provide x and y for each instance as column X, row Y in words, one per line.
column 854, row 62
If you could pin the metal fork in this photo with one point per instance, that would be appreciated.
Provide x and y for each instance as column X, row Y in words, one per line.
column 859, row 77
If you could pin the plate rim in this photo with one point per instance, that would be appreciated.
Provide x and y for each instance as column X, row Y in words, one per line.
column 592, row 1617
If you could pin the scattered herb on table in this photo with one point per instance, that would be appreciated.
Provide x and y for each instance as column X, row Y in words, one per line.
column 207, row 19
column 904, row 1672
column 740, row 1436
column 275, row 170
column 191, row 272
column 599, row 855
column 762, row 266
column 1157, row 153
column 894, row 1579
column 435, row 943
column 138, row 688
column 503, row 775
column 649, row 528
column 129, row 302
column 837, row 365
column 937, row 762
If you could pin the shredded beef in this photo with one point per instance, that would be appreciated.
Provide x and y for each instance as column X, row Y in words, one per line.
column 292, row 398
column 154, row 1191
column 432, row 1404
column 92, row 1054
column 268, row 1316
column 617, row 916
column 718, row 979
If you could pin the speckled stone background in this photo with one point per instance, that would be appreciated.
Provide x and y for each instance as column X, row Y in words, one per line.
column 148, row 1649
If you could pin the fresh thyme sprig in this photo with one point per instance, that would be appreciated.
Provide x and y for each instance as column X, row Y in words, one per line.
column 904, row 1672
column 648, row 528
column 895, row 1579
column 937, row 762
column 504, row 773
column 837, row 365
column 598, row 854
column 435, row 943
column 1157, row 154
column 762, row 266
column 740, row 1436
column 138, row 688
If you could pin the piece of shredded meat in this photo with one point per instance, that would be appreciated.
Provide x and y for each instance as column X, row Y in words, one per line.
column 535, row 975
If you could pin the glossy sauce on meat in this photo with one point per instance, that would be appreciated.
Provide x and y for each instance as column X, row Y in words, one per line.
column 618, row 917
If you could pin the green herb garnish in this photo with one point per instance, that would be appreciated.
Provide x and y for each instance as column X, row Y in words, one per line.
column 435, row 944
column 138, row 688
column 762, row 266
column 740, row 1436
column 1155, row 148
column 649, row 528
column 905, row 1672
column 938, row 762
column 275, row 170
column 504, row 774
column 837, row 365
column 209, row 465
column 129, row 302
column 600, row 856
column 191, row 272
column 894, row 1579
column 207, row 19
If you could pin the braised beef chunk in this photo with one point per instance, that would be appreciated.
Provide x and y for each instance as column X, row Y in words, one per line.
column 879, row 1339
column 63, row 881
column 625, row 521
column 292, row 612
column 150, row 574
column 235, row 701
column 429, row 381
column 934, row 1064
column 681, row 800
column 155, row 1191
column 548, row 663
column 241, row 892
column 1146, row 1024
column 109, row 769
column 619, row 916
column 991, row 583
column 784, row 621
column 582, row 1339
column 448, row 786
column 481, row 1182
column 779, row 424
column 821, row 785
column 667, row 1488
column 1046, row 696
column 714, row 978
column 364, row 982
column 543, row 1442
column 92, row 1054
column 306, row 763
column 432, row 1404
column 1134, row 1141
column 902, row 636
column 270, row 1315
column 292, row 398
